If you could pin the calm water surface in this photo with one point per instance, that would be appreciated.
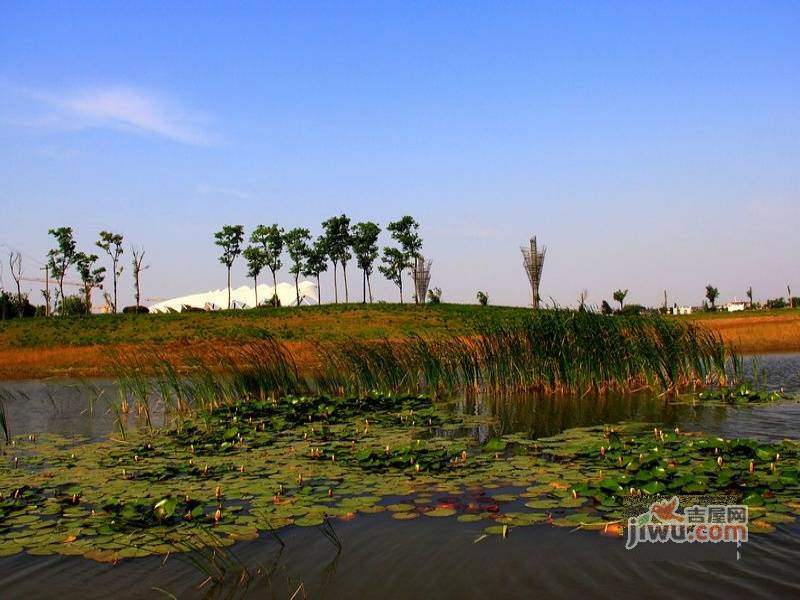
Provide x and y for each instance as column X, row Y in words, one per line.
column 382, row 558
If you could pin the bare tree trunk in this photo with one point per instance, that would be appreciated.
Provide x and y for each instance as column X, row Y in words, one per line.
column 364, row 286
column 401, row 288
column 114, row 266
column 335, row 285
column 255, row 289
column 319, row 292
column 229, row 288
column 369, row 288
column 274, row 288
column 297, row 288
column 47, row 289
column 15, row 262
column 344, row 273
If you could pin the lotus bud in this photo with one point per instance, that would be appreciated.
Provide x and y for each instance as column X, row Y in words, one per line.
column 387, row 449
column 16, row 460
column 74, row 498
column 217, row 516
column 464, row 455
column 416, row 467
column 205, row 470
column 333, row 458
column 602, row 451
column 632, row 491
column 677, row 431
column 497, row 456
column 655, row 431
column 574, row 494
column 305, row 436
column 716, row 451
column 188, row 515
column 505, row 531
column 752, row 467
column 72, row 456
column 330, row 492
column 300, row 478
column 619, row 460
column 218, row 492
column 641, row 457
column 772, row 467
column 280, row 488
column 187, row 499
column 191, row 448
column 93, row 513
column 777, row 457
column 241, row 469
column 719, row 461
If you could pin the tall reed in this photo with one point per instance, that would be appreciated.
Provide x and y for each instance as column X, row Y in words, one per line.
column 555, row 351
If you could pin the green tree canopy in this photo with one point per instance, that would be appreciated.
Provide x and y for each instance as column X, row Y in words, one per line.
column 270, row 239
column 297, row 245
column 364, row 241
column 230, row 239
column 111, row 244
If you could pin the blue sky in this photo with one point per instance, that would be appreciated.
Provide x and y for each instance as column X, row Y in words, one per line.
column 651, row 146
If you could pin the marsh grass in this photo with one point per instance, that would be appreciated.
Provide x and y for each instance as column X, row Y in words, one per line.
column 552, row 351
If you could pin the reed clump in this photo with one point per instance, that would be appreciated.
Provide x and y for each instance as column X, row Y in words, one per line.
column 553, row 351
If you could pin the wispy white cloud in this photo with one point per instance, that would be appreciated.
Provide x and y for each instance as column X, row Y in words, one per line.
column 123, row 108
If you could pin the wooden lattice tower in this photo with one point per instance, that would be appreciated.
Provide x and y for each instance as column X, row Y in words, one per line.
column 421, row 274
column 533, row 261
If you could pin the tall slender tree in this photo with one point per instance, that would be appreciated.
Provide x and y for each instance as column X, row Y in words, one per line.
column 364, row 240
column 230, row 239
column 619, row 296
column 111, row 244
column 406, row 233
column 90, row 276
column 749, row 293
column 15, row 263
column 255, row 264
column 316, row 262
column 394, row 263
column 297, row 245
column 137, row 260
column 61, row 258
column 270, row 239
column 712, row 294
column 337, row 242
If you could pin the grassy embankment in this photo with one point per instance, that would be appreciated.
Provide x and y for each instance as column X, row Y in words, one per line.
column 86, row 347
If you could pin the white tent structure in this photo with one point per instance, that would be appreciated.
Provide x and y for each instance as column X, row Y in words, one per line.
column 241, row 297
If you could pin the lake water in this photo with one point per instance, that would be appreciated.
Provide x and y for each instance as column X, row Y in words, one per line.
column 423, row 558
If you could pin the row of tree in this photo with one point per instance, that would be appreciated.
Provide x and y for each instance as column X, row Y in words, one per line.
column 66, row 255
column 338, row 244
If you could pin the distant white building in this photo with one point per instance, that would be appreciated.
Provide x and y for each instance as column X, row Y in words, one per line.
column 681, row 310
column 241, row 297
column 735, row 306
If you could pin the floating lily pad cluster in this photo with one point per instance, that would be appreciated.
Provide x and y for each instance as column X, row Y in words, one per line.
column 255, row 466
column 741, row 394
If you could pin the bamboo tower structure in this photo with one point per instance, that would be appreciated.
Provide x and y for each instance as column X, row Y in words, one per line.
column 421, row 274
column 533, row 261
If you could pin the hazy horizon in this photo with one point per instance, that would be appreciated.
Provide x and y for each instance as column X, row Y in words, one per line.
column 648, row 147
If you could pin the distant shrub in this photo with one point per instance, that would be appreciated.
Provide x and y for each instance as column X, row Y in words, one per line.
column 777, row 303
column 632, row 309
column 435, row 296
column 73, row 305
column 483, row 298
column 606, row 309
column 135, row 309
